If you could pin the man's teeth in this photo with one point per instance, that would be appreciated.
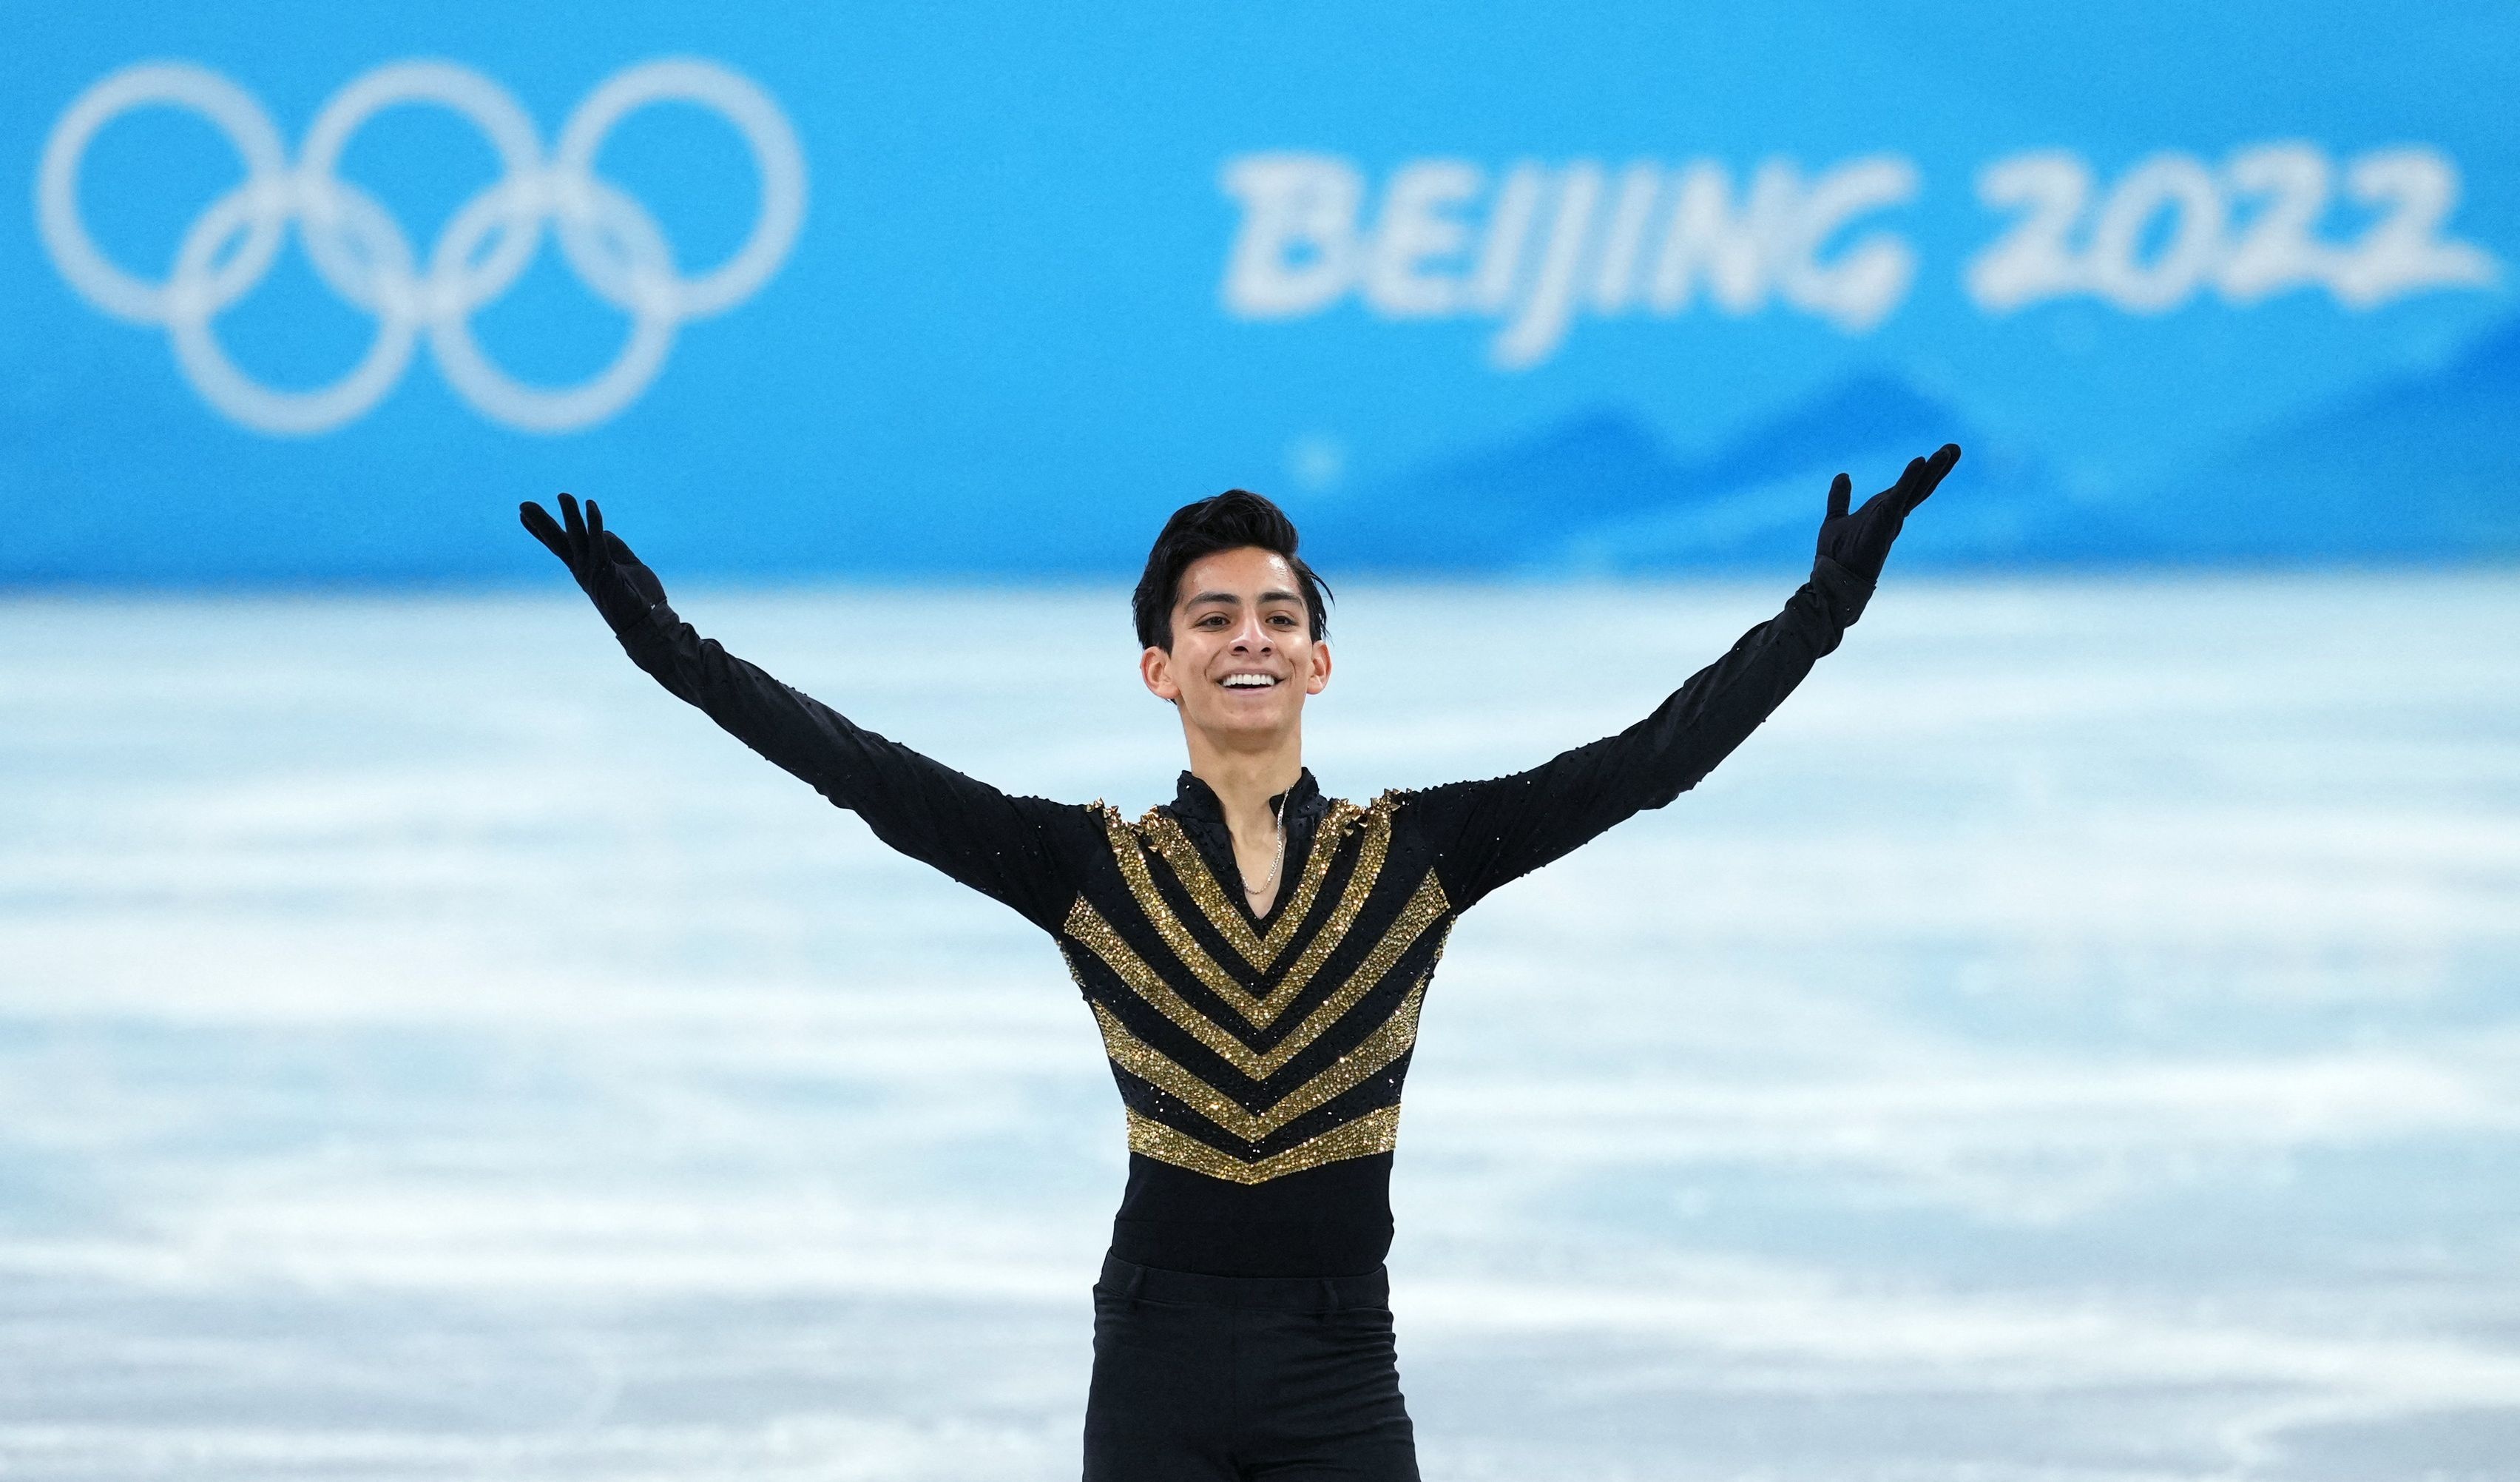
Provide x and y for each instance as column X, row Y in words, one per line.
column 1249, row 682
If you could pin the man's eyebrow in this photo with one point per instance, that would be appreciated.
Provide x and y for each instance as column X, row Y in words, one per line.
column 1230, row 599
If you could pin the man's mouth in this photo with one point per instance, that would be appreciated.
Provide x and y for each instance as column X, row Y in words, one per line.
column 1249, row 679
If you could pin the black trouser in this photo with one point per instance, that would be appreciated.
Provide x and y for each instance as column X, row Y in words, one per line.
column 1238, row 1379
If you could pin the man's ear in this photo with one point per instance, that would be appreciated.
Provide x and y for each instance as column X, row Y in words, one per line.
column 1156, row 667
column 1321, row 676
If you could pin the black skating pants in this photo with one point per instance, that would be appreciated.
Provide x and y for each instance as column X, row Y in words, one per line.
column 1243, row 1378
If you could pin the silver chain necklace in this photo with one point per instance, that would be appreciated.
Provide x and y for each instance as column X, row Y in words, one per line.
column 1281, row 861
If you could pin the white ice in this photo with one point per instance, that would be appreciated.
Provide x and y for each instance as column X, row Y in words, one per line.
column 2078, row 1038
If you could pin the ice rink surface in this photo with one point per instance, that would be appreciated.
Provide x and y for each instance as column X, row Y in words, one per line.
column 2079, row 1039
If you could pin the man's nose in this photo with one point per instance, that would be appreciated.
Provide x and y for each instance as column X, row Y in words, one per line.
column 1252, row 637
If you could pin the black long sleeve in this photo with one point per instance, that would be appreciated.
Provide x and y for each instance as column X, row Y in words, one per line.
column 1487, row 832
column 1260, row 1058
column 1022, row 850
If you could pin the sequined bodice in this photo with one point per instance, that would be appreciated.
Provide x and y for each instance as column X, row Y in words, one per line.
column 1247, row 1055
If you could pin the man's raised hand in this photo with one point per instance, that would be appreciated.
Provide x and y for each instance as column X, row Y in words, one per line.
column 618, row 582
column 1860, row 541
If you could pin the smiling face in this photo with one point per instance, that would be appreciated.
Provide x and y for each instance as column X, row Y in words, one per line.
column 1243, row 657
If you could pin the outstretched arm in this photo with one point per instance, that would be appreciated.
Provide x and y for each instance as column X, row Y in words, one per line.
column 1488, row 832
column 1019, row 850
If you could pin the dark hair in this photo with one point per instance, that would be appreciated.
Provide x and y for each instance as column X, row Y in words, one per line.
column 1227, row 521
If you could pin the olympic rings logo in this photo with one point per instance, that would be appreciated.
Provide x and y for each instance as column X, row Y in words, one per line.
column 361, row 253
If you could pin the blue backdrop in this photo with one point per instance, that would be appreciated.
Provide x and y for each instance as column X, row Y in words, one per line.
column 299, row 292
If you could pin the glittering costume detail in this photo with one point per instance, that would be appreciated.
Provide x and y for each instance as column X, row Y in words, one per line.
column 1359, row 887
column 1425, row 910
column 1353, row 1032
column 1167, row 925
column 1262, row 1010
column 1229, row 918
column 1386, row 1044
column 1086, row 925
column 1376, row 1132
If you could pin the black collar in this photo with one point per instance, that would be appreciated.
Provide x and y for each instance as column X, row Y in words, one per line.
column 1195, row 802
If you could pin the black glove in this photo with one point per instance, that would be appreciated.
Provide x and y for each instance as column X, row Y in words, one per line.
column 1860, row 541
column 623, row 590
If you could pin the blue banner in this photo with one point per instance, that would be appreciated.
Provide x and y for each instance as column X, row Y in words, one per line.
column 299, row 293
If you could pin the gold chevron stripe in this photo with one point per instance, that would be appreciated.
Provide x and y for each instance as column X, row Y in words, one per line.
column 1376, row 1132
column 1260, row 1012
column 1159, row 915
column 1423, row 911
column 1334, row 928
column 1086, row 925
column 1386, row 1044
column 1228, row 918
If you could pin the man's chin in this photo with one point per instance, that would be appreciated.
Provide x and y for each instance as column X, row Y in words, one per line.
column 1248, row 720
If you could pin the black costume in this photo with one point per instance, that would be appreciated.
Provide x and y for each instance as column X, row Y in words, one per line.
column 1260, row 1057
column 1220, row 1378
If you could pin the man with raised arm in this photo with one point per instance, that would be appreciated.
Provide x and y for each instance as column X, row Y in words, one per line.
column 1255, row 953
